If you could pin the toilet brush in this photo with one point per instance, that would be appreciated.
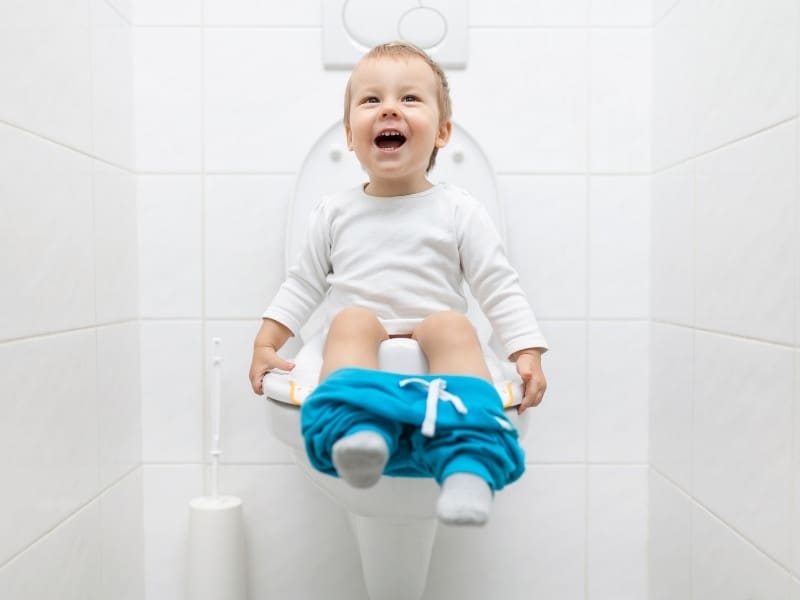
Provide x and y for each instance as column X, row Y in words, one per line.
column 217, row 566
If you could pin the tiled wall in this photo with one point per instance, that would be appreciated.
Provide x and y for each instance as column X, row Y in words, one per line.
column 230, row 97
column 70, row 430
column 725, row 391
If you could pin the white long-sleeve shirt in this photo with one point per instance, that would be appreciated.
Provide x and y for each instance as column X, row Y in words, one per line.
column 405, row 258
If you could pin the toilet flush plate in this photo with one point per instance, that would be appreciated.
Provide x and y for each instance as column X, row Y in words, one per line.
column 351, row 27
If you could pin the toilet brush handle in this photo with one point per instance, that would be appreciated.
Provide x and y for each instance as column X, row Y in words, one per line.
column 216, row 413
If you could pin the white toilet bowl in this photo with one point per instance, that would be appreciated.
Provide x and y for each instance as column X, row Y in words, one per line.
column 394, row 521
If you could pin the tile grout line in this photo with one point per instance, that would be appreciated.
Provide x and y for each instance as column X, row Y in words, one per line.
column 723, row 145
column 205, row 408
column 587, row 308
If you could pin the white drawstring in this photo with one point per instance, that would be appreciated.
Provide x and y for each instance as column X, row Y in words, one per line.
column 436, row 392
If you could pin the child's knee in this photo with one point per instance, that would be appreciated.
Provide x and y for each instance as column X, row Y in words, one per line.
column 358, row 321
column 447, row 326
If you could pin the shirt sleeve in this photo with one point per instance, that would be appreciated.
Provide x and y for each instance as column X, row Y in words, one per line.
column 495, row 283
column 307, row 282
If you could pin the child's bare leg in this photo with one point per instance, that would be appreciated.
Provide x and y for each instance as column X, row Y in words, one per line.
column 353, row 341
column 452, row 347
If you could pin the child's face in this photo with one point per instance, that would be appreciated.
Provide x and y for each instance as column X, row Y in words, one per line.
column 394, row 123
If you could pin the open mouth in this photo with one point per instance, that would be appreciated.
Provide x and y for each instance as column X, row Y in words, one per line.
column 390, row 140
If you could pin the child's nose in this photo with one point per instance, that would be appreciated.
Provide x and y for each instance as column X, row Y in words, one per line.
column 390, row 109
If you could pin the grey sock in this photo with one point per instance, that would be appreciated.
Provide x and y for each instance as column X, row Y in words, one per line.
column 359, row 458
column 465, row 499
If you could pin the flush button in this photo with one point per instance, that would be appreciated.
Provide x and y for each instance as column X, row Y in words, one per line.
column 422, row 26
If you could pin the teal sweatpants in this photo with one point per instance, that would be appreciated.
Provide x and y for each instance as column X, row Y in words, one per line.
column 471, row 432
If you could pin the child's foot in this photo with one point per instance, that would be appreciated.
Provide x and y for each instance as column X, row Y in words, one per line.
column 465, row 499
column 359, row 458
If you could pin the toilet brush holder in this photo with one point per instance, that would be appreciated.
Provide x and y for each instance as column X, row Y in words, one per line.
column 217, row 553
column 217, row 566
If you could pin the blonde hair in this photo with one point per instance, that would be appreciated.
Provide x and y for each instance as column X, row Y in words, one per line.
column 402, row 49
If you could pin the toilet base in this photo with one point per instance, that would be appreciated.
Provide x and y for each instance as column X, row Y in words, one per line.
column 395, row 555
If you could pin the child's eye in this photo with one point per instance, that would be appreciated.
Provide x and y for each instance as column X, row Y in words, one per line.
column 409, row 98
column 370, row 100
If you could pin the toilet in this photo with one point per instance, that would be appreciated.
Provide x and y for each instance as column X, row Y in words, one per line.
column 394, row 522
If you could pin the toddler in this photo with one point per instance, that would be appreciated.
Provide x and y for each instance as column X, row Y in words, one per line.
column 388, row 259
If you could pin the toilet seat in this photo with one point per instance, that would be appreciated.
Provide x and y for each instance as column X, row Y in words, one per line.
column 293, row 387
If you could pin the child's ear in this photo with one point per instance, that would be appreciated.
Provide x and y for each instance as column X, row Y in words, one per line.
column 349, row 135
column 443, row 135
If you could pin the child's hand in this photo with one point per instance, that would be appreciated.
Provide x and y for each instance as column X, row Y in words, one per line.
column 529, row 367
column 264, row 360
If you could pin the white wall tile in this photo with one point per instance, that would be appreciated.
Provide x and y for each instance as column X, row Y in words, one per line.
column 669, row 541
column 168, row 12
column 725, row 566
column 168, row 83
column 246, row 430
column 672, row 245
column 46, row 226
column 540, row 13
column 264, row 106
column 557, row 428
column 170, row 245
column 245, row 235
column 303, row 529
column 618, row 388
column 671, row 391
column 615, row 13
column 539, row 123
column 39, row 13
column 118, row 400
column 552, row 566
column 112, row 86
column 122, row 533
column 745, row 199
column 546, row 239
column 719, row 79
column 620, row 109
column 617, row 533
column 48, row 434
column 746, row 59
column 742, row 390
column 619, row 247
column 52, row 42
column 258, row 13
column 168, row 489
column 172, row 391
column 62, row 565
column 675, row 74
column 115, row 234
